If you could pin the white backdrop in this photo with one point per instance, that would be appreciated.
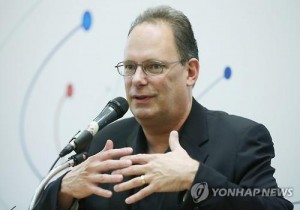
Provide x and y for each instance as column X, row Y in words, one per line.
column 43, row 49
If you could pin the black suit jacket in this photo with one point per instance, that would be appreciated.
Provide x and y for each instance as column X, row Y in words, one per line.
column 233, row 152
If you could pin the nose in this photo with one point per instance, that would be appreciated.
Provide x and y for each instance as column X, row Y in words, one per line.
column 139, row 78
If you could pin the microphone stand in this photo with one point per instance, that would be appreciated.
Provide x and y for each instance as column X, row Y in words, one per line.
column 72, row 161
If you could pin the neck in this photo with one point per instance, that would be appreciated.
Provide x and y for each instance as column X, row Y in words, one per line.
column 157, row 142
column 157, row 131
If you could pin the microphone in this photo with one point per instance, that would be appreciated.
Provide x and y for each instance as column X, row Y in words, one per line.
column 115, row 109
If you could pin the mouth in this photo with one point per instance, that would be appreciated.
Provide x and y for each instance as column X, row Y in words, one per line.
column 141, row 98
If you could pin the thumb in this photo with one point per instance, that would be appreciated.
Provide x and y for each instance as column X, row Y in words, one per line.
column 174, row 141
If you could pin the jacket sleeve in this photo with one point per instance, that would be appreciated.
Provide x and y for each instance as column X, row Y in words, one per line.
column 253, row 186
column 48, row 199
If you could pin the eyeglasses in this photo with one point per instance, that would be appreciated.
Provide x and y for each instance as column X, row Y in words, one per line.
column 150, row 68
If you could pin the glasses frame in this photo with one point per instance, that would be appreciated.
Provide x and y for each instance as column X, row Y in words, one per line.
column 164, row 64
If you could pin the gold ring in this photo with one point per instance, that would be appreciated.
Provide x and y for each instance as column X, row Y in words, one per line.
column 143, row 179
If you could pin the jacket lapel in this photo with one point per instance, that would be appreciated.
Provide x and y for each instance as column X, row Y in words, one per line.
column 194, row 134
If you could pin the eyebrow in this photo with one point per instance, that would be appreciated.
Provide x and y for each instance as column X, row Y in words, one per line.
column 148, row 60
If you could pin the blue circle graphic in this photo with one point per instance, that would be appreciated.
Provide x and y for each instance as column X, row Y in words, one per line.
column 86, row 20
column 227, row 72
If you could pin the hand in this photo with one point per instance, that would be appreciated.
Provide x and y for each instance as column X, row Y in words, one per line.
column 83, row 180
column 170, row 172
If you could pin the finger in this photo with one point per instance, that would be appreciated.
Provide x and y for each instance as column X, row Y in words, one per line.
column 133, row 183
column 108, row 145
column 106, row 178
column 144, row 192
column 109, row 165
column 174, row 141
column 131, row 170
column 101, row 192
column 113, row 153
column 140, row 158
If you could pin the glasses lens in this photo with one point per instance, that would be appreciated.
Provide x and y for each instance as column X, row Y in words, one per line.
column 128, row 68
column 153, row 68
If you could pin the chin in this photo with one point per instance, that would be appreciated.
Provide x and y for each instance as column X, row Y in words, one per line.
column 142, row 114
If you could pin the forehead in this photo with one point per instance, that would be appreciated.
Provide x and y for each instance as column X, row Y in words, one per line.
column 151, row 41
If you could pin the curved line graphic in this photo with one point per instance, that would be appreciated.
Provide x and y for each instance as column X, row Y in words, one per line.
column 28, row 94
column 19, row 23
column 67, row 94
column 86, row 24
column 207, row 89
column 56, row 123
column 226, row 75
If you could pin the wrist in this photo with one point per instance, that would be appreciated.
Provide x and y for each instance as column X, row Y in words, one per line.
column 65, row 198
column 194, row 167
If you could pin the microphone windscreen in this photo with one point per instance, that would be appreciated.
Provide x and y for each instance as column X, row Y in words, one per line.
column 120, row 105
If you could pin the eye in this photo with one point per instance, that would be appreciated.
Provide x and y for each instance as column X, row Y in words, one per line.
column 129, row 67
column 153, row 68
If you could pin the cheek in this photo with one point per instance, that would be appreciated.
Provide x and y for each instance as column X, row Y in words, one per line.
column 127, row 89
column 170, row 84
column 175, row 87
column 127, row 84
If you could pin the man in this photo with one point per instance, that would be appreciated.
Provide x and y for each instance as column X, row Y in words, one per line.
column 174, row 153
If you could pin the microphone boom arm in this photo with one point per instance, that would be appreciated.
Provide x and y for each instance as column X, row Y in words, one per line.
column 73, row 161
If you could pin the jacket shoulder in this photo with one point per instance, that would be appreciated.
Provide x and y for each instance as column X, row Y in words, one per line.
column 229, row 122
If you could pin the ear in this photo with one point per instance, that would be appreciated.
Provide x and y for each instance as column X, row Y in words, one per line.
column 193, row 71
